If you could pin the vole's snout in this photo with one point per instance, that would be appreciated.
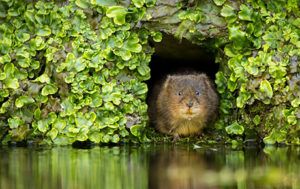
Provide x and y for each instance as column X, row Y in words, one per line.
column 190, row 104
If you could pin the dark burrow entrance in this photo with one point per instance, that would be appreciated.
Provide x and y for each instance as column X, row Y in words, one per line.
column 172, row 56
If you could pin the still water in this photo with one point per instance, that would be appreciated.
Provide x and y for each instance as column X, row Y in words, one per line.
column 154, row 167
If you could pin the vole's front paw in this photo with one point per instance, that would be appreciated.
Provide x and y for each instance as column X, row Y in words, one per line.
column 175, row 138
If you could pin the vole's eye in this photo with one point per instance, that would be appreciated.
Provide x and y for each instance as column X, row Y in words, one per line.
column 197, row 93
column 179, row 93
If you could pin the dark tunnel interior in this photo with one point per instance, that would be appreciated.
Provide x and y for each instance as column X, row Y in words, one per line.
column 172, row 56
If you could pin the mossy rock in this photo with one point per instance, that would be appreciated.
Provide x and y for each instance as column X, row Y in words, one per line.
column 76, row 70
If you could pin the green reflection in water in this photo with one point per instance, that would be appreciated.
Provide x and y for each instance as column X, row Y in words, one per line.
column 69, row 168
column 152, row 167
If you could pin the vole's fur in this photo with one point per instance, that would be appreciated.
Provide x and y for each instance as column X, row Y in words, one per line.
column 183, row 104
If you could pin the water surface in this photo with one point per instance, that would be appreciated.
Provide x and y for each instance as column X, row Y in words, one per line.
column 155, row 167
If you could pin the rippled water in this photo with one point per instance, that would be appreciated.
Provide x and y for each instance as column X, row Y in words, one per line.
column 152, row 167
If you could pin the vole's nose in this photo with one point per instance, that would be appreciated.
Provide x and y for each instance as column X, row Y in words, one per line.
column 190, row 104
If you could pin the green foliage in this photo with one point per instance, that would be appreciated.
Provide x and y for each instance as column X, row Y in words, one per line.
column 76, row 70
column 259, row 77
column 73, row 71
column 235, row 129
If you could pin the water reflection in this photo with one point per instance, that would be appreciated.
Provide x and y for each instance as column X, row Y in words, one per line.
column 151, row 167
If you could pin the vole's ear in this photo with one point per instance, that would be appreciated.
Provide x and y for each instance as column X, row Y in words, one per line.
column 203, row 78
column 168, row 81
column 207, row 82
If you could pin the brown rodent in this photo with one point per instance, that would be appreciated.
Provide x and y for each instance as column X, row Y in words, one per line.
column 183, row 104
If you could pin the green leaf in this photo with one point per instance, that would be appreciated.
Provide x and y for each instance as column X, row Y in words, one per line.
column 235, row 129
column 295, row 103
column 235, row 33
column 245, row 13
column 22, row 100
column 11, row 83
column 95, row 137
column 2, row 76
column 44, row 31
column 82, row 122
column 157, row 36
column 232, row 86
column 96, row 100
column 22, row 37
column 150, row 3
column 256, row 120
column 82, row 4
column 49, row 89
column 44, row 78
column 115, row 138
column 125, row 54
column 143, row 69
column 269, row 140
column 24, row 62
column 4, row 107
column 15, row 122
column 5, row 58
column 82, row 136
column 114, row 11
column 59, row 124
column 292, row 119
column 9, row 69
column 37, row 114
column 227, row 11
column 5, row 45
column 79, row 65
column 136, row 130
column 266, row 88
column 118, row 13
column 138, row 3
column 133, row 45
column 63, row 140
column 219, row 2
column 68, row 107
column 116, row 98
column 296, row 22
column 106, row 138
column 42, row 126
column 38, row 43
column 74, row 130
column 52, row 133
column 104, row 3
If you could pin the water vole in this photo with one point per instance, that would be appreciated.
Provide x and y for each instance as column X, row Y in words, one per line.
column 183, row 104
